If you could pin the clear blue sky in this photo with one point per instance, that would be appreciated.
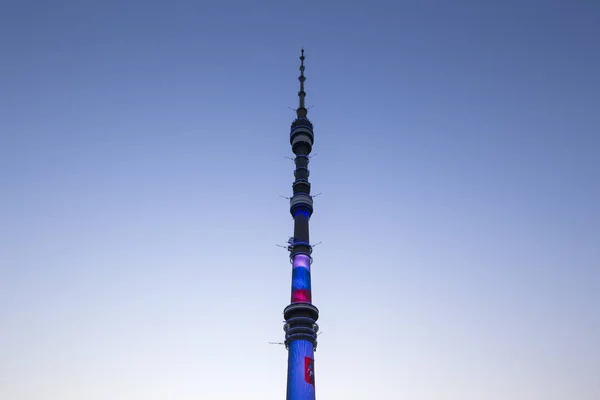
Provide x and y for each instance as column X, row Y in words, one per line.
column 142, row 153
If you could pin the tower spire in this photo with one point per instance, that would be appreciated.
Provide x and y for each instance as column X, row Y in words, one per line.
column 301, row 111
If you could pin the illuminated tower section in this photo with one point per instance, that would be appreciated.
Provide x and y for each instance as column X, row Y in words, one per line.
column 301, row 316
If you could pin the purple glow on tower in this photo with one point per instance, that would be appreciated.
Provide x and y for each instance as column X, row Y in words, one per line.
column 301, row 260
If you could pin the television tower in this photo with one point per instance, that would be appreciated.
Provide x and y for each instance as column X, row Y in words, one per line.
column 301, row 315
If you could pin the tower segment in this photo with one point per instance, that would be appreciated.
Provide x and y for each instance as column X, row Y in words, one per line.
column 301, row 315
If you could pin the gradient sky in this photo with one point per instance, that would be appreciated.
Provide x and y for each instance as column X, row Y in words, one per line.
column 142, row 149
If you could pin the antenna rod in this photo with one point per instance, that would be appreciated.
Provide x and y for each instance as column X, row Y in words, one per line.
column 301, row 111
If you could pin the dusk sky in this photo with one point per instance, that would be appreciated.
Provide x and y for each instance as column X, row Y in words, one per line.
column 142, row 155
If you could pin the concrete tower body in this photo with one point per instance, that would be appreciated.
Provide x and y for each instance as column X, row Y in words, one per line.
column 301, row 315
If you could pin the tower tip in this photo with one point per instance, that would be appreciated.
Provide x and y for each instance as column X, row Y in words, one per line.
column 301, row 111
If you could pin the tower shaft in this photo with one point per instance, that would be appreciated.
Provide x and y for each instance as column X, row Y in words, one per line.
column 301, row 315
